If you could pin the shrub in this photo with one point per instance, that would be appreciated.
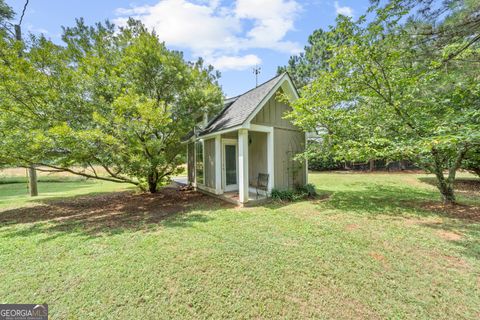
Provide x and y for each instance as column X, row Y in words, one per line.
column 306, row 191
column 284, row 195
column 323, row 163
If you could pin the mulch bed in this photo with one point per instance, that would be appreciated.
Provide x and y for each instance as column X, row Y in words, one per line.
column 469, row 185
column 459, row 211
column 112, row 210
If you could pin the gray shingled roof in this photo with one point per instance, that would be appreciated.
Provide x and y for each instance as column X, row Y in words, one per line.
column 237, row 110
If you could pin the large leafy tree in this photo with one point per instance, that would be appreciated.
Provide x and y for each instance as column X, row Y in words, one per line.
column 6, row 14
column 115, row 99
column 395, row 91
column 304, row 67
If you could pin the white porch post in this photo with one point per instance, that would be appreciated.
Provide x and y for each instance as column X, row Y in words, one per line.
column 218, row 164
column 270, row 161
column 243, row 165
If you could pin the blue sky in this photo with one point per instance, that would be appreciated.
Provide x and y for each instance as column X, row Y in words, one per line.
column 232, row 35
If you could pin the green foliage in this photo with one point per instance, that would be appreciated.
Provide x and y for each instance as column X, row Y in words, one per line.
column 392, row 93
column 308, row 190
column 321, row 157
column 303, row 68
column 322, row 162
column 472, row 161
column 283, row 195
column 120, row 100
column 6, row 13
column 299, row 193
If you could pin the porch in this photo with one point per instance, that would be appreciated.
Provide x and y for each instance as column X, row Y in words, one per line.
column 228, row 164
column 231, row 196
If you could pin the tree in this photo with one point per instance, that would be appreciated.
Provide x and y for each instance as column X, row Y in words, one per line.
column 304, row 67
column 119, row 100
column 6, row 14
column 472, row 161
column 395, row 93
column 7, row 29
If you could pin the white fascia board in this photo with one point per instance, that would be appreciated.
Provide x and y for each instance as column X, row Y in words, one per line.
column 213, row 134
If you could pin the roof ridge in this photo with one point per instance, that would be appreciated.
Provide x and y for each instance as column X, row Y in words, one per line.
column 246, row 96
column 238, row 96
column 261, row 84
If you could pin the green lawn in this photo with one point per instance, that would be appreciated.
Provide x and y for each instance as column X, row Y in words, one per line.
column 371, row 246
column 14, row 190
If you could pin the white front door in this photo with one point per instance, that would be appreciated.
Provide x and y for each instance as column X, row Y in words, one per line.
column 230, row 165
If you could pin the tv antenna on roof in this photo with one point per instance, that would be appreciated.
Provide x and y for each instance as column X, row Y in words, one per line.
column 256, row 71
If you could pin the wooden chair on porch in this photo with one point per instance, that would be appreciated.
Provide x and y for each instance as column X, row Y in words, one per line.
column 262, row 183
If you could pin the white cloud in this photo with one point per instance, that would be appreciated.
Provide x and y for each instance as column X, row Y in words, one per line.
column 236, row 62
column 31, row 28
column 272, row 20
column 346, row 11
column 220, row 32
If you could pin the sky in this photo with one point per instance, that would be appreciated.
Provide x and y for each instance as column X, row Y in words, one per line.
column 233, row 36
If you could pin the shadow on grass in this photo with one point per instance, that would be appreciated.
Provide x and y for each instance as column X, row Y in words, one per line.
column 110, row 213
column 462, row 227
column 272, row 204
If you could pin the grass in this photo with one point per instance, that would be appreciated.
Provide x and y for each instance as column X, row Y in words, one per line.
column 372, row 246
column 14, row 190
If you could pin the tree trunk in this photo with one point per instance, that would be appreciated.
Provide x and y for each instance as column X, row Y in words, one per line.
column 32, row 174
column 32, row 181
column 152, row 182
column 372, row 164
column 445, row 186
column 448, row 195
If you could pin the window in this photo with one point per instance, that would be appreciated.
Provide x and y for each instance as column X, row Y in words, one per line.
column 199, row 161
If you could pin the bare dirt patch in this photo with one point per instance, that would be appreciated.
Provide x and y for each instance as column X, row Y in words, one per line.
column 380, row 258
column 351, row 227
column 457, row 263
column 111, row 211
column 448, row 235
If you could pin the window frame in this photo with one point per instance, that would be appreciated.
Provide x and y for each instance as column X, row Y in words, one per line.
column 199, row 143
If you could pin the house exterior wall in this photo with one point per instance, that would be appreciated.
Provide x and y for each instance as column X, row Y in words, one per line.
column 209, row 165
column 289, row 140
column 272, row 114
column 288, row 172
column 191, row 162
column 257, row 155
